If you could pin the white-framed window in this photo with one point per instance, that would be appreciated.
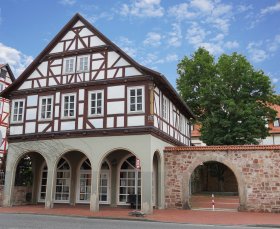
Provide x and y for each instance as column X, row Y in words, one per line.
column 182, row 124
column 136, row 98
column 165, row 108
column 96, row 103
column 46, row 107
column 69, row 65
column 276, row 122
column 83, row 63
column 18, row 110
column 68, row 105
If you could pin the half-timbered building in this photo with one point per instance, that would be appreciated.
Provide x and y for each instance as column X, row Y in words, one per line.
column 94, row 122
column 6, row 78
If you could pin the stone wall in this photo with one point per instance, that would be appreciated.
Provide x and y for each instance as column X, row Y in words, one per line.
column 257, row 170
column 20, row 193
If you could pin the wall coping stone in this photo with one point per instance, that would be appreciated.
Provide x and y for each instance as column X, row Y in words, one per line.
column 223, row 148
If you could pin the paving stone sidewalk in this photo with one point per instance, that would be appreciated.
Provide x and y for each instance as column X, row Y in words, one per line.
column 167, row 215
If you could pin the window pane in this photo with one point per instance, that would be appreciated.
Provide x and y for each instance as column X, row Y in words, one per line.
column 132, row 92
column 139, row 91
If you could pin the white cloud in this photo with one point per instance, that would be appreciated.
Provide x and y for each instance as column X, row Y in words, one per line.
column 171, row 57
column 203, row 5
column 17, row 60
column 181, row 12
column 143, row 8
column 231, row 44
column 67, row 2
column 148, row 59
column 275, row 44
column 275, row 80
column 196, row 34
column 95, row 17
column 153, row 39
column 213, row 48
column 244, row 8
column 257, row 54
column 175, row 36
column 208, row 12
column 271, row 9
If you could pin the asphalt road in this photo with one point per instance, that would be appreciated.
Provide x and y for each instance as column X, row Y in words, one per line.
column 26, row 221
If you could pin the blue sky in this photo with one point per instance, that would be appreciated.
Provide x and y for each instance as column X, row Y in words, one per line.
column 156, row 33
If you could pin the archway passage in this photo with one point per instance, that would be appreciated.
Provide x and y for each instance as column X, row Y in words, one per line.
column 213, row 183
column 27, row 176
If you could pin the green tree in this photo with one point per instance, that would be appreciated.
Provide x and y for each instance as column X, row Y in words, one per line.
column 229, row 97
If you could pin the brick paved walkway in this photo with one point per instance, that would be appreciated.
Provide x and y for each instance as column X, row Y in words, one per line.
column 168, row 215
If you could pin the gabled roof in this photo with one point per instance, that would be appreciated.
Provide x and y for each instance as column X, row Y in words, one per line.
column 159, row 78
column 9, row 71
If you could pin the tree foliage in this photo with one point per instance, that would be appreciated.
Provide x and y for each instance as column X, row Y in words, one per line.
column 229, row 97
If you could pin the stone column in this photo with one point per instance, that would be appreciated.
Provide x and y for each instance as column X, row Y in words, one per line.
column 11, row 168
column 147, row 187
column 94, row 196
column 50, row 184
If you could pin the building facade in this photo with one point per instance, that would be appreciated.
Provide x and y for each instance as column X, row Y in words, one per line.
column 272, row 139
column 6, row 78
column 93, row 122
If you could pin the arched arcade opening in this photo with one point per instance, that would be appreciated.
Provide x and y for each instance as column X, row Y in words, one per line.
column 213, row 180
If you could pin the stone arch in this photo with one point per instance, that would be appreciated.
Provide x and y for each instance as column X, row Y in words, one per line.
column 202, row 159
column 64, row 152
column 73, row 160
column 104, row 156
column 32, row 191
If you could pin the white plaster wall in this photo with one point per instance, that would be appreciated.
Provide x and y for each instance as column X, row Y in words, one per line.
column 97, row 123
column 85, row 32
column 78, row 24
column 31, row 114
column 25, row 85
column 116, row 92
column 56, row 70
column 110, row 122
column 30, row 127
column 131, row 71
column 32, row 100
column 136, row 120
column 95, row 41
column 115, row 107
column 120, row 121
column 112, row 57
column 57, row 48
column 68, row 125
column 16, row 130
column 43, row 68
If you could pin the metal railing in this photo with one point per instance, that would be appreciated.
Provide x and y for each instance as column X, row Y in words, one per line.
column 2, row 177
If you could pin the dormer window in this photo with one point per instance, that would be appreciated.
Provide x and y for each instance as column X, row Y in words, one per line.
column 83, row 65
column 69, row 65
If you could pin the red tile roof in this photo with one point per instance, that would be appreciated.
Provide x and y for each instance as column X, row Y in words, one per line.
column 1, row 65
column 223, row 148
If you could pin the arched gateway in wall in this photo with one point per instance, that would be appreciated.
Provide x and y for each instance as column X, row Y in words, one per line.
column 200, row 160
